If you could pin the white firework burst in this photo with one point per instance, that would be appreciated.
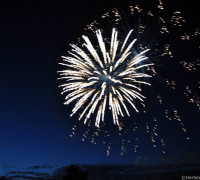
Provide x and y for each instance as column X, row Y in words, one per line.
column 93, row 79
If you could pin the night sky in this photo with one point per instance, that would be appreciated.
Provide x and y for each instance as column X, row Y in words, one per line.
column 34, row 123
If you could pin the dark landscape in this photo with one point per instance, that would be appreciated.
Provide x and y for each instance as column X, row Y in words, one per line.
column 107, row 172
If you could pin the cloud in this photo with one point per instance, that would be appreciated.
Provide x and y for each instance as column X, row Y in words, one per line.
column 41, row 167
column 27, row 175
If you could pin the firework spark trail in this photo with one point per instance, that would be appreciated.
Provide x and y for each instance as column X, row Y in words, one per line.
column 114, row 78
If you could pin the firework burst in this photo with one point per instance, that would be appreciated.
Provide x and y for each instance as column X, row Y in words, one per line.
column 113, row 76
column 107, row 70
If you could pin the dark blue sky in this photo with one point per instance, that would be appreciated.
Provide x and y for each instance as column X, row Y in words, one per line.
column 34, row 123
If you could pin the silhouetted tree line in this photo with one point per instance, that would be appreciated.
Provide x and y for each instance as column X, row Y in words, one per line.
column 75, row 173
